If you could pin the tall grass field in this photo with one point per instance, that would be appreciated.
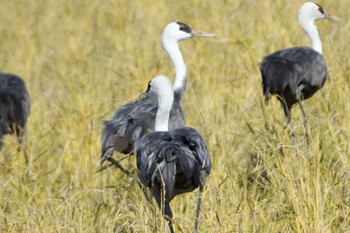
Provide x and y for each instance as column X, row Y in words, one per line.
column 81, row 60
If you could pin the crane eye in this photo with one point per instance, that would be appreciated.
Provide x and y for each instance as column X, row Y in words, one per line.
column 184, row 27
column 321, row 10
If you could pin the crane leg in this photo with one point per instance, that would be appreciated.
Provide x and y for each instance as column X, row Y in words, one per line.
column 171, row 228
column 286, row 109
column 306, row 122
column 287, row 113
column 202, row 179
column 21, row 135
column 144, row 189
column 163, row 203
column 199, row 203
column 168, row 215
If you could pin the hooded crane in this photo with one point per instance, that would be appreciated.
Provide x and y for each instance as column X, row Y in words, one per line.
column 178, row 158
column 295, row 74
column 14, row 106
column 131, row 121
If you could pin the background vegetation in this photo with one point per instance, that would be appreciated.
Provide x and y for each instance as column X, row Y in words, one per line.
column 81, row 60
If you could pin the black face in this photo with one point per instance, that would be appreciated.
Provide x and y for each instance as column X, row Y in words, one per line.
column 184, row 27
column 320, row 8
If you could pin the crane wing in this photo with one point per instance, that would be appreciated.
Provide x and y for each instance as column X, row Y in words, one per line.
column 176, row 158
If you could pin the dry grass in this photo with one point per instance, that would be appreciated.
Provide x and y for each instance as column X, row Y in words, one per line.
column 82, row 60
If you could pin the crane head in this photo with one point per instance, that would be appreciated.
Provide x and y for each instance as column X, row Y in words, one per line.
column 311, row 11
column 179, row 31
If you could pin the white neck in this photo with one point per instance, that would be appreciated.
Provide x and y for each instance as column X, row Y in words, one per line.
column 165, row 103
column 311, row 31
column 171, row 46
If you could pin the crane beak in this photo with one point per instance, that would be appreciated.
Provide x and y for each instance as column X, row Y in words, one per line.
column 195, row 33
column 332, row 17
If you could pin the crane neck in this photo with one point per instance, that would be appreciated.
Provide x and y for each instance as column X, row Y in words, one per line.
column 311, row 31
column 171, row 46
column 165, row 103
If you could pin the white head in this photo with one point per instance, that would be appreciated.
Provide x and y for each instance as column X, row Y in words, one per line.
column 160, row 86
column 177, row 31
column 311, row 11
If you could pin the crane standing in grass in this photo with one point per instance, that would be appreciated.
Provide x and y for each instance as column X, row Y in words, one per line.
column 295, row 74
column 171, row 162
column 14, row 107
column 131, row 121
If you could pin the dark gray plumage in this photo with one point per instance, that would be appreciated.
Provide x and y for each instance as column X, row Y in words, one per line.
column 14, row 106
column 293, row 74
column 131, row 121
column 178, row 158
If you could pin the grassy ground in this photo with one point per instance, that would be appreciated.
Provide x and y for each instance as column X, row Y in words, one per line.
column 81, row 60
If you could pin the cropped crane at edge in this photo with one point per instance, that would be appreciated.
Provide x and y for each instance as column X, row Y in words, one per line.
column 14, row 107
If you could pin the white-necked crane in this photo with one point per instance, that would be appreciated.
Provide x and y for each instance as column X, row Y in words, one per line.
column 171, row 162
column 296, row 73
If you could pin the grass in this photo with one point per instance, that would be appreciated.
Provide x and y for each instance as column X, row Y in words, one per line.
column 81, row 60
